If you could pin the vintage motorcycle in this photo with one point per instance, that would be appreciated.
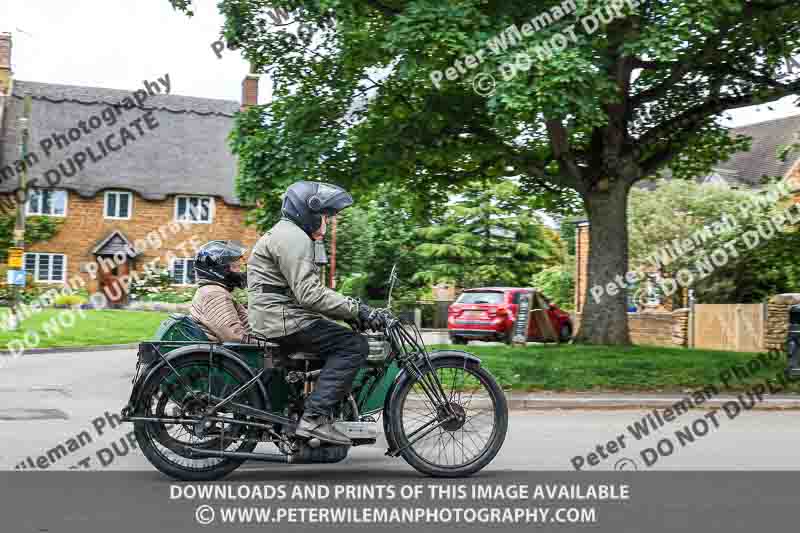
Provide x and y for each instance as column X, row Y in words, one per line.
column 200, row 408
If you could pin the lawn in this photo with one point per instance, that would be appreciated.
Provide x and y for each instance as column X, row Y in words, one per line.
column 90, row 327
column 637, row 368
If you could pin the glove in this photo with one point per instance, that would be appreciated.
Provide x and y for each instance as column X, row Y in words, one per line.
column 370, row 318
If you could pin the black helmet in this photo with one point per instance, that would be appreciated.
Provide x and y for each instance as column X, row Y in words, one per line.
column 305, row 202
column 213, row 263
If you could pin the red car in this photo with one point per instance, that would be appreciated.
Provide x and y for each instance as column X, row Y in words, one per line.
column 488, row 314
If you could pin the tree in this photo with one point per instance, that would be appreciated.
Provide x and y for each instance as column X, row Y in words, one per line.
column 718, row 216
column 487, row 236
column 589, row 98
column 710, row 218
column 677, row 210
column 355, row 244
column 558, row 284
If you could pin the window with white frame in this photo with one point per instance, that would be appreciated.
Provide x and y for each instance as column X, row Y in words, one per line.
column 198, row 209
column 48, row 202
column 183, row 271
column 118, row 204
column 46, row 267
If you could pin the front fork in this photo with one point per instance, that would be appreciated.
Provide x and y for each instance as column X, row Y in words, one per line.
column 432, row 387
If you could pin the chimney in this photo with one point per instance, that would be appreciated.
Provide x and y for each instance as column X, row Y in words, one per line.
column 250, row 89
column 5, row 62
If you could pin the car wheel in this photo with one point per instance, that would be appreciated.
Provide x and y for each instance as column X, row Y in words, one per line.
column 565, row 335
column 458, row 340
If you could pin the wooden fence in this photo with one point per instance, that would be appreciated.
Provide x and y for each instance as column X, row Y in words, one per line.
column 736, row 327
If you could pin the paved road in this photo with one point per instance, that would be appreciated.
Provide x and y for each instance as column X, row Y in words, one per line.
column 46, row 400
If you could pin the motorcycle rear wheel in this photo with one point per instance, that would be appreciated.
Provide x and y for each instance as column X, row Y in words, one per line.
column 163, row 447
column 409, row 409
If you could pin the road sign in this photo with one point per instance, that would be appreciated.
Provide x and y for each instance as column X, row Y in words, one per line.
column 16, row 277
column 15, row 258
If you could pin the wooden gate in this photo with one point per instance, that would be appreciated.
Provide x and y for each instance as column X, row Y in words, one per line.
column 735, row 327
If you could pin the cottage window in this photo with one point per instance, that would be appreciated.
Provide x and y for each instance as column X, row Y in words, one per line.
column 183, row 271
column 46, row 267
column 47, row 202
column 118, row 204
column 198, row 209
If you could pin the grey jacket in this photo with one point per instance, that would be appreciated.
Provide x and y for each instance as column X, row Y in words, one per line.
column 221, row 317
column 283, row 260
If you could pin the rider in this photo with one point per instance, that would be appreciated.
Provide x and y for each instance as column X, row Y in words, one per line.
column 218, row 267
column 287, row 301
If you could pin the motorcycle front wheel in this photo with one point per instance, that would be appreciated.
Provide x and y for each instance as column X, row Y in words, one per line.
column 456, row 448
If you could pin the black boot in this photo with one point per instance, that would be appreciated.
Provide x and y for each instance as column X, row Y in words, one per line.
column 320, row 427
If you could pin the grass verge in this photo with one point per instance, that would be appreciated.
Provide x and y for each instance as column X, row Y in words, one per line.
column 83, row 328
column 574, row 368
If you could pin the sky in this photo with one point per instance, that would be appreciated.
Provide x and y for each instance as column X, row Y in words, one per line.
column 119, row 43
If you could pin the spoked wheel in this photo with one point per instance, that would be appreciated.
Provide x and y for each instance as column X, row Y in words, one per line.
column 478, row 420
column 166, row 444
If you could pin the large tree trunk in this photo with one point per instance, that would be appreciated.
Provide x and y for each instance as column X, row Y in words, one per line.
column 604, row 319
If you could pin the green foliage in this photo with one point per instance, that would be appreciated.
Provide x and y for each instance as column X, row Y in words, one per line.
column 488, row 236
column 354, row 285
column 567, row 231
column 155, row 285
column 37, row 229
column 558, row 284
column 371, row 239
column 28, row 294
column 679, row 209
column 676, row 210
column 355, row 243
column 768, row 269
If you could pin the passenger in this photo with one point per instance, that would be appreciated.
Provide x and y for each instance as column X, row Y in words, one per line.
column 219, row 271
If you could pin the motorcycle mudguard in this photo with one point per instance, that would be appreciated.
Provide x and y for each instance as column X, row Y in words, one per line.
column 219, row 351
column 472, row 361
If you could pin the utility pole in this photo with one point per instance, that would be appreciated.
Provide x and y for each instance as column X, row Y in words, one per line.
column 332, row 283
column 19, row 225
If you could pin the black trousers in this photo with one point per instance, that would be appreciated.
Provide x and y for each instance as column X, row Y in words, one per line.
column 344, row 352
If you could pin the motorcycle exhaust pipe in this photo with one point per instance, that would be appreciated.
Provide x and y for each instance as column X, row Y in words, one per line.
column 267, row 457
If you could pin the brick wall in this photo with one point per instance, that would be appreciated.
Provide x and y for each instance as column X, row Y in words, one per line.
column 656, row 329
column 84, row 228
column 777, row 322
